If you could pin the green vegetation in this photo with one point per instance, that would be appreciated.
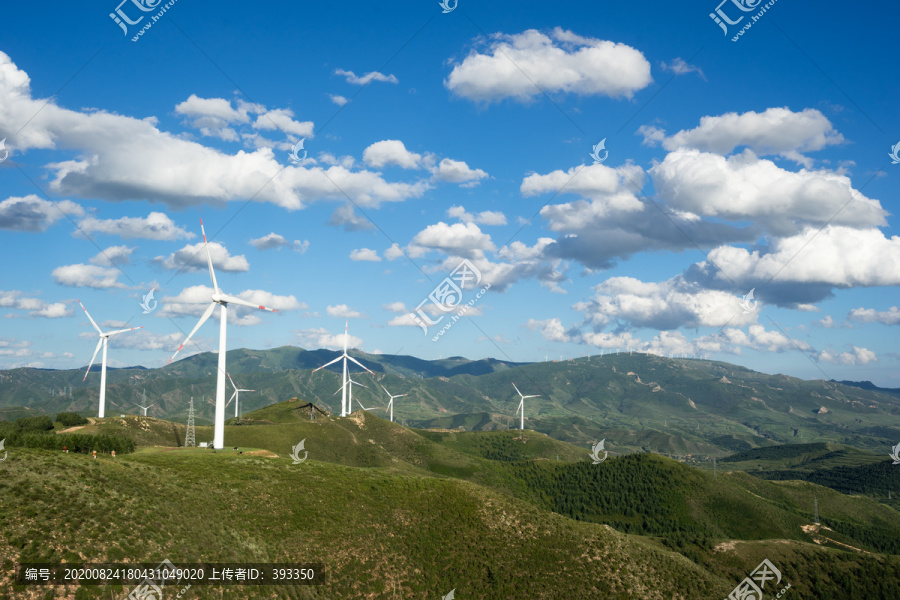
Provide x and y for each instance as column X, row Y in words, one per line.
column 70, row 419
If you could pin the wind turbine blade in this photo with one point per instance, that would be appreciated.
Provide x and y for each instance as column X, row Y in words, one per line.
column 517, row 389
column 246, row 390
column 359, row 384
column 212, row 274
column 385, row 390
column 89, row 318
column 400, row 396
column 535, row 396
column 96, row 350
column 359, row 363
column 346, row 335
column 234, row 300
column 112, row 333
column 521, row 406
column 232, row 398
column 339, row 389
column 328, row 364
column 231, row 380
column 206, row 315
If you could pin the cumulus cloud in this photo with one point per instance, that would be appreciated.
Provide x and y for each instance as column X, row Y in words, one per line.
column 93, row 276
column 342, row 311
column 114, row 255
column 31, row 213
column 16, row 300
column 457, row 171
column 352, row 78
column 364, row 254
column 777, row 131
column 486, row 217
column 322, row 338
column 339, row 100
column 395, row 307
column 525, row 65
column 155, row 226
column 193, row 301
column 127, row 165
column 890, row 316
column 459, row 239
column 391, row 152
column 859, row 356
column 274, row 241
column 744, row 187
column 193, row 258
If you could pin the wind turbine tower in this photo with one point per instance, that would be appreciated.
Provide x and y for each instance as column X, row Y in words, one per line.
column 522, row 406
column 345, row 409
column 235, row 396
column 391, row 403
column 104, row 340
column 222, row 301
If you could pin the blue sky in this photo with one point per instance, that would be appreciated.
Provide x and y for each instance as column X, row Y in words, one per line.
column 434, row 137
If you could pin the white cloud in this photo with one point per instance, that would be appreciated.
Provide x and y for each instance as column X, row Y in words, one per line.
column 679, row 67
column 372, row 76
column 81, row 275
column 394, row 252
column 486, row 217
column 395, row 307
column 827, row 322
column 128, row 165
column 859, row 356
column 744, row 187
column 775, row 131
column 342, row 311
column 15, row 299
column 282, row 120
column 890, row 316
column 193, row 258
column 156, row 226
column 322, row 338
column 525, row 65
column 457, row 171
column 365, row 254
column 391, row 152
column 460, row 239
column 193, row 301
column 339, row 100
column 113, row 255
column 31, row 213
column 275, row 241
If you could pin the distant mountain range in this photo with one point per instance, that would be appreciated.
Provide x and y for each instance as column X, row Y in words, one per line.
column 635, row 401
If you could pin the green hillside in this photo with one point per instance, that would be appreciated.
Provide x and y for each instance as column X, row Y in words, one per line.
column 494, row 514
column 687, row 408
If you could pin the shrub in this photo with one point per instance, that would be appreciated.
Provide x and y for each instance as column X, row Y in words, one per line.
column 34, row 424
column 71, row 419
column 75, row 442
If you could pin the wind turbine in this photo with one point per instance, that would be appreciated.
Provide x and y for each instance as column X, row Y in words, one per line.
column 391, row 403
column 344, row 407
column 235, row 396
column 522, row 405
column 144, row 408
column 103, row 341
column 223, row 301
column 350, row 383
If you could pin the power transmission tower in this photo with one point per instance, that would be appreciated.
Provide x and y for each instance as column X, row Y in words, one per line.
column 816, row 501
column 189, row 435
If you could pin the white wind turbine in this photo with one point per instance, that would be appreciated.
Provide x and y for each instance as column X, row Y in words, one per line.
column 345, row 409
column 223, row 300
column 522, row 405
column 391, row 403
column 351, row 383
column 236, row 395
column 104, row 340
column 144, row 408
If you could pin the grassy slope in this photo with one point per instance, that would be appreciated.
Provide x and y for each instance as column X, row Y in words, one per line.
column 370, row 528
